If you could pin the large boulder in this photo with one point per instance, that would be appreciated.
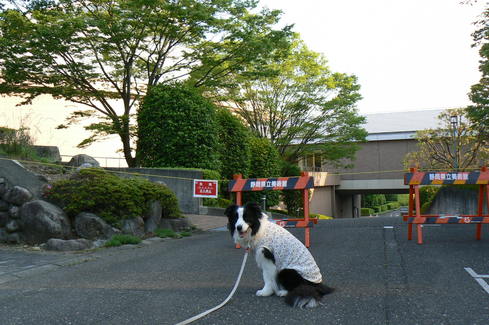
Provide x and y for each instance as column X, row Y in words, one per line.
column 153, row 216
column 85, row 160
column 3, row 186
column 41, row 220
column 91, row 226
column 4, row 218
column 17, row 195
column 55, row 244
column 4, row 205
column 133, row 226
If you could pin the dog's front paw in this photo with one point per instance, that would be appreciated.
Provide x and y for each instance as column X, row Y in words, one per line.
column 264, row 292
column 281, row 293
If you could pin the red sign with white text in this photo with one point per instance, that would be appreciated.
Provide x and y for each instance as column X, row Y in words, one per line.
column 205, row 188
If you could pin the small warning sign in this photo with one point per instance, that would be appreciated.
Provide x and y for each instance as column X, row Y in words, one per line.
column 205, row 188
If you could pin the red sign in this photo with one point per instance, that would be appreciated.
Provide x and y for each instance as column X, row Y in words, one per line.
column 205, row 188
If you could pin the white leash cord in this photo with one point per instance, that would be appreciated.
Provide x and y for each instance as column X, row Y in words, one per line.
column 192, row 319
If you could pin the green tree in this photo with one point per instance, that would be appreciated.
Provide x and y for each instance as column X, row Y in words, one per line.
column 234, row 147
column 177, row 128
column 442, row 148
column 265, row 162
column 105, row 54
column 479, row 93
column 303, row 107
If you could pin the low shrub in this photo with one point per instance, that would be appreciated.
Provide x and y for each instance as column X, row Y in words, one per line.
column 319, row 216
column 393, row 205
column 118, row 240
column 168, row 233
column 110, row 197
column 366, row 212
column 218, row 203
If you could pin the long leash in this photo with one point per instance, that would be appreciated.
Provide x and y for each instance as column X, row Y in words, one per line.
column 192, row 319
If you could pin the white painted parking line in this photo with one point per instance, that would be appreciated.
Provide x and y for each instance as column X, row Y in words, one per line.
column 388, row 227
column 479, row 278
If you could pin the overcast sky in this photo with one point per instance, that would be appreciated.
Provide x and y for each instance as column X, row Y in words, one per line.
column 407, row 55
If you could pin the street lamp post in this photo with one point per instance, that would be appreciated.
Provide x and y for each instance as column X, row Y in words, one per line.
column 454, row 122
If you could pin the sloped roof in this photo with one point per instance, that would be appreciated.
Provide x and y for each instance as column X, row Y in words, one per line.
column 400, row 125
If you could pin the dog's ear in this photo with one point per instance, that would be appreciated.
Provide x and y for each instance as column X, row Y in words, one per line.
column 253, row 208
column 230, row 210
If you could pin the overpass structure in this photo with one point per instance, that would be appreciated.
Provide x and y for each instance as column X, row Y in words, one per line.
column 378, row 167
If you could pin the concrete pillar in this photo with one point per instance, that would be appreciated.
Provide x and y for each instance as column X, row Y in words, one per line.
column 350, row 206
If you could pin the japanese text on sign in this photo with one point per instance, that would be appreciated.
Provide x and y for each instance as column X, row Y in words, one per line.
column 272, row 183
column 449, row 176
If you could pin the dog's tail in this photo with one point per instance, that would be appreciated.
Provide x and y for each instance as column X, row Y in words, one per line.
column 307, row 295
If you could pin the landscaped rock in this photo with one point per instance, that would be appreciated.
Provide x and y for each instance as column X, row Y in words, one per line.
column 17, row 195
column 4, row 217
column 180, row 224
column 78, row 160
column 12, row 226
column 14, row 238
column 153, row 217
column 14, row 212
column 3, row 235
column 4, row 205
column 133, row 226
column 41, row 220
column 3, row 186
column 55, row 244
column 91, row 226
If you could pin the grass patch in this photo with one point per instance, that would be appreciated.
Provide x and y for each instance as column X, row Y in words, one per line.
column 119, row 240
column 168, row 233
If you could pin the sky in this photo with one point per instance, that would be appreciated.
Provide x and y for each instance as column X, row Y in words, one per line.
column 408, row 55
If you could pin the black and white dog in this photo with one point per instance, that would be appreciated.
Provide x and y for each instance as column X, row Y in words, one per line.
column 288, row 267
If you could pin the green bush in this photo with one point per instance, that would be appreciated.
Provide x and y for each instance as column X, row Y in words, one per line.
column 426, row 196
column 234, row 143
column 366, row 212
column 17, row 144
column 118, row 240
column 177, row 128
column 319, row 216
column 383, row 207
column 292, row 199
column 393, row 205
column 371, row 200
column 110, row 197
column 377, row 209
column 218, row 203
column 265, row 162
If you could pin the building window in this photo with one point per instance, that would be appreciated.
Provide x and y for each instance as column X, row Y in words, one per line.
column 312, row 162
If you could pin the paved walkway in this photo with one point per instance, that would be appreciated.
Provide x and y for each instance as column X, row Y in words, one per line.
column 205, row 222
column 17, row 261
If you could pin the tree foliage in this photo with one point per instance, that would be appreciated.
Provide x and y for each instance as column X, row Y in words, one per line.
column 105, row 54
column 303, row 107
column 265, row 162
column 442, row 148
column 177, row 128
column 234, row 146
column 479, row 93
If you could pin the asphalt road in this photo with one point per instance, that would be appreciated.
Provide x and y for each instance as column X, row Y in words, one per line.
column 380, row 278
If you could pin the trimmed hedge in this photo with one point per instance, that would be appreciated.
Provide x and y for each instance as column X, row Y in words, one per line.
column 110, row 197
column 366, row 212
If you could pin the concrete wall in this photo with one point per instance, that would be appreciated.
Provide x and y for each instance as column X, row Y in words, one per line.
column 180, row 181
column 379, row 156
column 453, row 200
